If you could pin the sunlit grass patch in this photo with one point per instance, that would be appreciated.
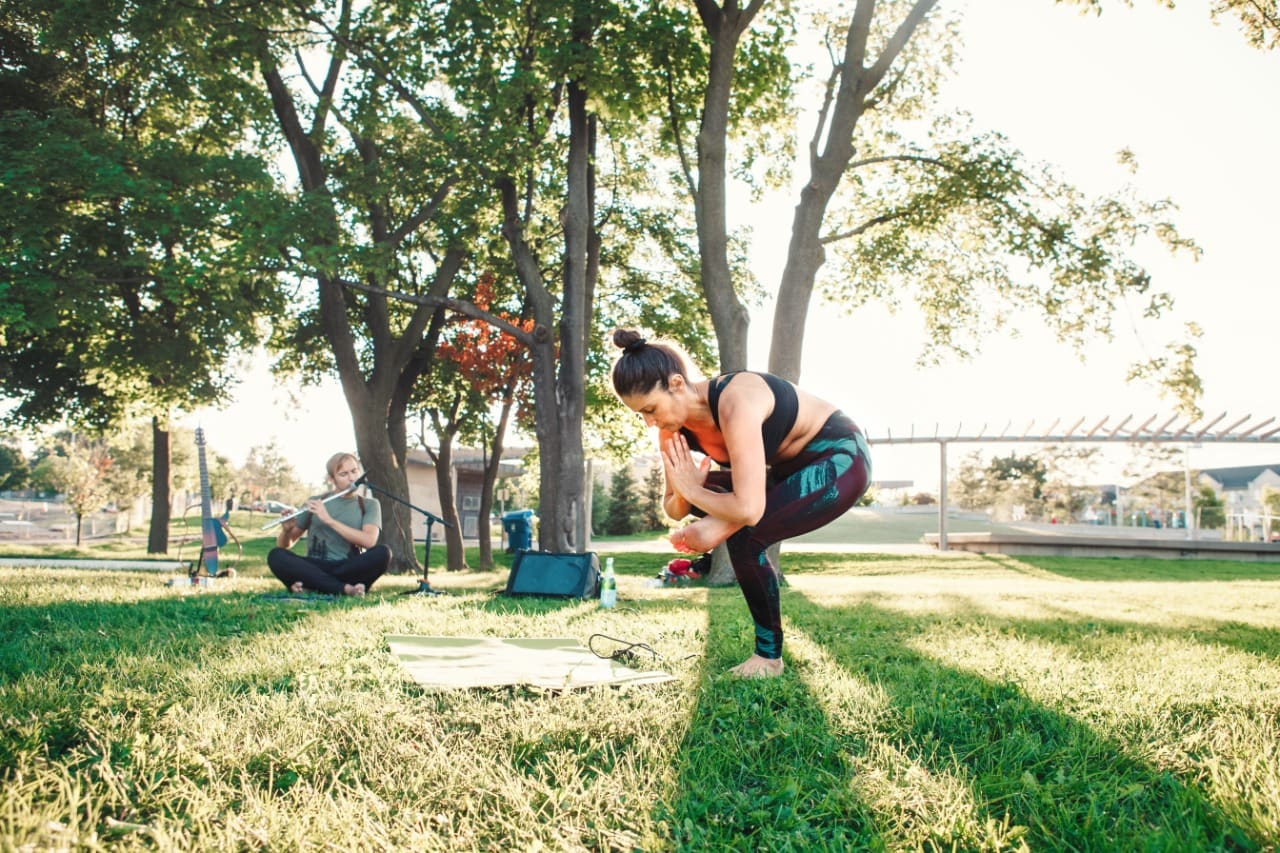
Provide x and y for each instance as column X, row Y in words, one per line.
column 958, row 702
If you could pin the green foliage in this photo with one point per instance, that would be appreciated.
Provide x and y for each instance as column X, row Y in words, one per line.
column 1175, row 373
column 1069, row 482
column 79, row 470
column 1211, row 511
column 1025, row 471
column 974, row 235
column 14, row 470
column 1260, row 19
column 129, row 476
column 1053, row 482
column 1271, row 497
column 599, row 506
column 130, row 224
column 1159, row 473
column 968, row 485
column 625, row 513
column 268, row 475
column 652, row 515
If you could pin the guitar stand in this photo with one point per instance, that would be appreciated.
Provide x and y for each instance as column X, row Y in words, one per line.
column 424, row 585
column 195, row 569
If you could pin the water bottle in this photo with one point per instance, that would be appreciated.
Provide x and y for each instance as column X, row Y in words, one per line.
column 608, row 586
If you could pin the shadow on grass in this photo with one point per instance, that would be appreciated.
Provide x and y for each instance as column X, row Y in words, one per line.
column 53, row 637
column 1025, row 764
column 66, row 664
column 759, row 769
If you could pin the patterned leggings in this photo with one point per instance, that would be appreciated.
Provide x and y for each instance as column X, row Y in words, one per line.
column 329, row 576
column 804, row 493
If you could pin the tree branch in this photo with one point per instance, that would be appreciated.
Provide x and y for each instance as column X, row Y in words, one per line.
column 461, row 306
column 897, row 42
column 325, row 95
column 673, row 116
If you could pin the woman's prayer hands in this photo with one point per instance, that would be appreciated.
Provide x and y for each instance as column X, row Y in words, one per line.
column 684, row 474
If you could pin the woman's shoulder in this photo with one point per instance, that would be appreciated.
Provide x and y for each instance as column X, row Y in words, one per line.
column 743, row 385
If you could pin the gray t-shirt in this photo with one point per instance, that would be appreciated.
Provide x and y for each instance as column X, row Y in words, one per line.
column 323, row 542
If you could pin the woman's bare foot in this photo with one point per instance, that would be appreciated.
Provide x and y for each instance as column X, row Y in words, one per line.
column 296, row 587
column 356, row 589
column 703, row 535
column 677, row 541
column 758, row 667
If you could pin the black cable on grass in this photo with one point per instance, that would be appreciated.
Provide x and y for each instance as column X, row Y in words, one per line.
column 626, row 654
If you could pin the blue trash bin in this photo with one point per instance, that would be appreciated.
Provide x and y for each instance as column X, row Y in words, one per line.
column 518, row 525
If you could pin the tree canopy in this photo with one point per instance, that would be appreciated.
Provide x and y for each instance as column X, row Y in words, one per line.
column 367, row 174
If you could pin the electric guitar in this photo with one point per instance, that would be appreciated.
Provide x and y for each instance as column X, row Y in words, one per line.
column 212, row 534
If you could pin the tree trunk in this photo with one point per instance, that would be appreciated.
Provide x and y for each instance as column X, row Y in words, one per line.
column 377, row 403
column 161, row 488
column 795, row 291
column 830, row 152
column 386, row 473
column 570, row 530
column 491, row 471
column 729, row 316
column 559, row 379
column 456, row 559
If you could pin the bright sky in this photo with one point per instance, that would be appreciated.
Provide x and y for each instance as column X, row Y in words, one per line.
column 1200, row 111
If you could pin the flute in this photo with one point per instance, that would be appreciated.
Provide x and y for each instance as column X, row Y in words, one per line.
column 282, row 519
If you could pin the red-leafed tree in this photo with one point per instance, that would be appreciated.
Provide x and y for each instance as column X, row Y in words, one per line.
column 493, row 379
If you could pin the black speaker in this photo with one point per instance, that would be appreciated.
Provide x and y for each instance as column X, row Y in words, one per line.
column 556, row 575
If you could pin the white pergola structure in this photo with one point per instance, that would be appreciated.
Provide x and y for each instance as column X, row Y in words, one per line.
column 1194, row 430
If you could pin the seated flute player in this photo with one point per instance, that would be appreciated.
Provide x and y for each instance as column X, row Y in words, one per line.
column 789, row 463
column 342, row 528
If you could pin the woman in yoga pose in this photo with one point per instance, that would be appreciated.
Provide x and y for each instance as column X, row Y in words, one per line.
column 788, row 463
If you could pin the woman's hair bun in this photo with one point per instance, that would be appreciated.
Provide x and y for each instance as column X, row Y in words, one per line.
column 628, row 340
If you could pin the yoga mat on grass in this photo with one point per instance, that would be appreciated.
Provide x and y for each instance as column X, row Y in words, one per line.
column 558, row 663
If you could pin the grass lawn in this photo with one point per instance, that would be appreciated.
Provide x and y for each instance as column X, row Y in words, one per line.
column 960, row 703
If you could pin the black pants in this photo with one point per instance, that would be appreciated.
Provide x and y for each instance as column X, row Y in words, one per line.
column 329, row 576
column 814, row 488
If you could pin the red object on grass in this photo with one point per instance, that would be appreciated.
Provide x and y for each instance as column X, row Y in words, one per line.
column 681, row 567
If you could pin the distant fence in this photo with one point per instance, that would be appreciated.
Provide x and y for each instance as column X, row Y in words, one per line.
column 53, row 521
column 1253, row 527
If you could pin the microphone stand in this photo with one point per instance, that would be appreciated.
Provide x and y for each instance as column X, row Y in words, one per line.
column 424, row 586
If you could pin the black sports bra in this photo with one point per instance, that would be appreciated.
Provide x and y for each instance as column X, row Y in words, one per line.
column 776, row 427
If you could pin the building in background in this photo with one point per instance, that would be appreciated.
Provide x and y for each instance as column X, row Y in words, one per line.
column 468, row 480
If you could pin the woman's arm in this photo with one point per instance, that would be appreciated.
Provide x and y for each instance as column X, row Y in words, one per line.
column 744, row 406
